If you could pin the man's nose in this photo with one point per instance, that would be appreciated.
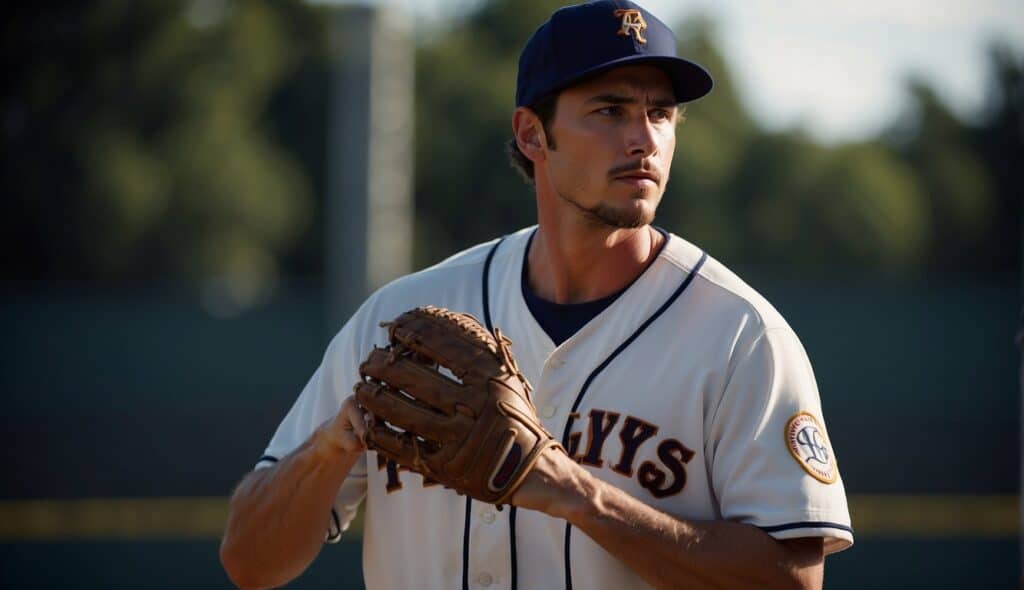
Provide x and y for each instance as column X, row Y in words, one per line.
column 641, row 140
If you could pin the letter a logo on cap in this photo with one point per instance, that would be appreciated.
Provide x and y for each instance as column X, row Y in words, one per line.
column 633, row 23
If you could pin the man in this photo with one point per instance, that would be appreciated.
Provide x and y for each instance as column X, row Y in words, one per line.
column 696, row 452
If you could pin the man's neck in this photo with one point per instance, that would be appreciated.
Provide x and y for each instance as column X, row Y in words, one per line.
column 574, row 263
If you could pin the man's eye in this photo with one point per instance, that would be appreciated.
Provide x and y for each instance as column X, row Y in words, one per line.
column 612, row 111
column 660, row 115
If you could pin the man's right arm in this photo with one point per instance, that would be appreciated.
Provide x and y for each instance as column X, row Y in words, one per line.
column 278, row 515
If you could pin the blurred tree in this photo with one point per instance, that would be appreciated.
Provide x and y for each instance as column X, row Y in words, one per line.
column 999, row 142
column 968, row 170
column 864, row 209
column 465, row 190
column 139, row 141
column 800, row 204
column 717, row 131
column 952, row 175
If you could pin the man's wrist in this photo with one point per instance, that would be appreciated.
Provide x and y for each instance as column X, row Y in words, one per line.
column 575, row 499
column 558, row 487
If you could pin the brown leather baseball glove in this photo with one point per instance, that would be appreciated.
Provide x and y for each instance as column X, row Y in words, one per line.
column 473, row 429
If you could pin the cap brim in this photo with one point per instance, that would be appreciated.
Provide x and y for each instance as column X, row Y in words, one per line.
column 689, row 80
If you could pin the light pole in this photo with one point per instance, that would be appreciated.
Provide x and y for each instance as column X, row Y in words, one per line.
column 368, row 208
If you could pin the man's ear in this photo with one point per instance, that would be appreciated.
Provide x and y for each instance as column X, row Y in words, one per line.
column 529, row 134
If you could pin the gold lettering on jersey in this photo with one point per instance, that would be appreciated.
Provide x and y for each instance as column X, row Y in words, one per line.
column 634, row 433
column 807, row 443
column 633, row 24
column 601, row 425
column 661, row 483
column 662, row 475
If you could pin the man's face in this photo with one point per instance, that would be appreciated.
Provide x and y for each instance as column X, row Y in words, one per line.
column 614, row 138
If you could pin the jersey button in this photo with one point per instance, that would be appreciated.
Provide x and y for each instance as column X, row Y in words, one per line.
column 484, row 579
column 487, row 517
column 547, row 411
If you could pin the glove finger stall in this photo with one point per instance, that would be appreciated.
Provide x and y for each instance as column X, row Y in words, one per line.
column 419, row 381
column 468, row 354
column 403, row 448
column 388, row 404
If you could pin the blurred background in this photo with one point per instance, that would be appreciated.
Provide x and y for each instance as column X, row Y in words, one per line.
column 187, row 188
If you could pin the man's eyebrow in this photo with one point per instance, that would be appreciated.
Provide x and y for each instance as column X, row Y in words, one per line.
column 612, row 99
column 620, row 99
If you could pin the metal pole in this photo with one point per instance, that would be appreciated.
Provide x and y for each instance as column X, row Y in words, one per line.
column 390, row 215
column 368, row 209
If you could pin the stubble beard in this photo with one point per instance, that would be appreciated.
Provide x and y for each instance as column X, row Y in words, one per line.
column 605, row 215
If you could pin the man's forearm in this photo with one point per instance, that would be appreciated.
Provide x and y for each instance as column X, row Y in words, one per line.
column 669, row 552
column 279, row 515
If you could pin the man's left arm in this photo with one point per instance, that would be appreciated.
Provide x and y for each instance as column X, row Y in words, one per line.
column 771, row 466
column 667, row 551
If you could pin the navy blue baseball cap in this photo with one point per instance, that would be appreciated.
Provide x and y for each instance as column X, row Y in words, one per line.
column 584, row 40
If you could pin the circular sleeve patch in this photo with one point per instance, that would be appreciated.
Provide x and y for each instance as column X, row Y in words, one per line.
column 806, row 441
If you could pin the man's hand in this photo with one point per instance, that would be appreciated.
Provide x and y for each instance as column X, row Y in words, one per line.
column 278, row 514
column 347, row 430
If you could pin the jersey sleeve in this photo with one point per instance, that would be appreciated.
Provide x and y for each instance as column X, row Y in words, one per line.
column 320, row 401
column 771, row 460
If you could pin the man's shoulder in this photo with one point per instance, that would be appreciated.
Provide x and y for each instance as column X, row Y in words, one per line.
column 454, row 282
column 436, row 283
column 724, row 290
column 464, row 265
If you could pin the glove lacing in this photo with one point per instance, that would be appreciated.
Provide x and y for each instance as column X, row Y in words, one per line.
column 505, row 349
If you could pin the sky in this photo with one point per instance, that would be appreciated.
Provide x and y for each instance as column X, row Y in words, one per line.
column 837, row 68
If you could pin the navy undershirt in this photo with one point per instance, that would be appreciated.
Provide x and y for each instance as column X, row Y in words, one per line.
column 561, row 321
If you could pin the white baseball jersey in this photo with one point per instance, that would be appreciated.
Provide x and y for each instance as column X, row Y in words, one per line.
column 689, row 392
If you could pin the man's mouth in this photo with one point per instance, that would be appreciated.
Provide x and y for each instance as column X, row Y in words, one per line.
column 638, row 177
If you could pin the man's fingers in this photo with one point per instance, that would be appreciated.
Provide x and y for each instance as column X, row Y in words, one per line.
column 351, row 426
column 357, row 419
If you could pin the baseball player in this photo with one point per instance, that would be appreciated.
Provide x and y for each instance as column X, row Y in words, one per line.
column 693, row 449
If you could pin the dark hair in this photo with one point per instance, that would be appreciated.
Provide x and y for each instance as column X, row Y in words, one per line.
column 545, row 111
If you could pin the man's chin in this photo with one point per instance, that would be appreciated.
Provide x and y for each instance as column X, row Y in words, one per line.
column 633, row 211
column 638, row 214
